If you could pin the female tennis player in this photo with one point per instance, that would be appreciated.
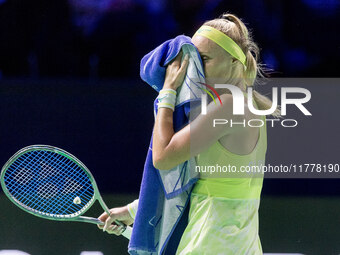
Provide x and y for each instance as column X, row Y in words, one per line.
column 223, row 216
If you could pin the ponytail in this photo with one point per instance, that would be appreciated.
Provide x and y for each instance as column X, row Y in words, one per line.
column 237, row 30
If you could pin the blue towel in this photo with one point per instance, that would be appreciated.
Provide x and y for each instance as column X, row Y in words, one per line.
column 164, row 195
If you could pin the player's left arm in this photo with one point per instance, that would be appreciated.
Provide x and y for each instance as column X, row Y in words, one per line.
column 170, row 148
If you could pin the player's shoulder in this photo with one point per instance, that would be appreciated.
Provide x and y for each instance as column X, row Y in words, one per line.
column 222, row 108
column 227, row 101
column 226, row 98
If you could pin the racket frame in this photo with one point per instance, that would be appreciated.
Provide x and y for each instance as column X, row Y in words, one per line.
column 71, row 217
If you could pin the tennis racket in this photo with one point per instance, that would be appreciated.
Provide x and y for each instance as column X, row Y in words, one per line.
column 51, row 183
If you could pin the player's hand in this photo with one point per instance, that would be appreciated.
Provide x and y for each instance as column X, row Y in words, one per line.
column 121, row 214
column 175, row 72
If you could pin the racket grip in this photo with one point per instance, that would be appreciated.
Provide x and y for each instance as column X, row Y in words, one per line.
column 127, row 232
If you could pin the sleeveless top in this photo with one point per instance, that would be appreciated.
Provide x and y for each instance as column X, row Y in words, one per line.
column 223, row 216
column 240, row 185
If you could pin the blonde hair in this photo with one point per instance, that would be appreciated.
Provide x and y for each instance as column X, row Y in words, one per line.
column 232, row 26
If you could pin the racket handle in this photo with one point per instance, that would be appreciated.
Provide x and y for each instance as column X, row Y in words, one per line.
column 127, row 232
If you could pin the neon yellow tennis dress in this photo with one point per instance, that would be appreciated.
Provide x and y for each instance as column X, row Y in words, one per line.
column 223, row 216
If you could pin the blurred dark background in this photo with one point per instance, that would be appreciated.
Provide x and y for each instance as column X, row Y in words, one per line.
column 107, row 38
column 69, row 77
column 76, row 62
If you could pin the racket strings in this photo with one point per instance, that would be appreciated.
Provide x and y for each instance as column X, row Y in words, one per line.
column 71, row 186
column 26, row 197
column 48, row 189
column 47, row 171
column 23, row 176
column 37, row 203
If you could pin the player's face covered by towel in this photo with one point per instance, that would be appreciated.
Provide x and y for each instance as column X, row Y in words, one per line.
column 219, row 65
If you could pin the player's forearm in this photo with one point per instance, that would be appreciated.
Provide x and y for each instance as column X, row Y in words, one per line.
column 163, row 132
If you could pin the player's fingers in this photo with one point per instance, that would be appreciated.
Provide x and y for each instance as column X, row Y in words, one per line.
column 183, row 69
column 185, row 63
column 177, row 60
column 103, row 216
column 108, row 222
column 111, row 229
column 121, row 230
column 114, row 229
